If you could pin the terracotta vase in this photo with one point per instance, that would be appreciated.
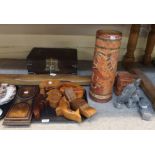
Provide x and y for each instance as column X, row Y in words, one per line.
column 104, row 64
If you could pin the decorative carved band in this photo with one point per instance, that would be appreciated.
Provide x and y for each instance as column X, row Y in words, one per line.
column 107, row 48
column 101, row 97
column 103, row 39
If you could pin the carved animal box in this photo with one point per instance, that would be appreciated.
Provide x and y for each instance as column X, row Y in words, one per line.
column 122, row 80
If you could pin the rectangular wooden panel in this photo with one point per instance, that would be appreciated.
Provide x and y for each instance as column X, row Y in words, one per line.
column 31, row 79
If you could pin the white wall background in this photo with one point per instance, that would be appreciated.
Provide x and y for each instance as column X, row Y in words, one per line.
column 16, row 41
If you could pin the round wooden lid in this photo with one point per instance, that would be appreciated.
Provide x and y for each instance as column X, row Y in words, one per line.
column 109, row 34
column 27, row 92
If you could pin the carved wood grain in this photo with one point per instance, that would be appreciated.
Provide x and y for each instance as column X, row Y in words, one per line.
column 149, row 46
column 131, row 46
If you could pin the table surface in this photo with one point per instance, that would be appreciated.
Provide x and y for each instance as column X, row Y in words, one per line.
column 107, row 116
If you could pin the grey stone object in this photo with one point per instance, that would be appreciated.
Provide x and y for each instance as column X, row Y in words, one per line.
column 131, row 97
column 118, row 104
column 145, row 109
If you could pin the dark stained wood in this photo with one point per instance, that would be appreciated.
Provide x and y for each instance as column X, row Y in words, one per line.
column 149, row 46
column 21, row 64
column 55, row 60
column 132, row 42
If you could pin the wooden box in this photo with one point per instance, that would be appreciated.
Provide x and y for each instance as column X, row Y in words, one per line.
column 122, row 80
column 52, row 60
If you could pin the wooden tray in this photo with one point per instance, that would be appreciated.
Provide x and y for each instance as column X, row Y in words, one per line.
column 27, row 117
column 49, row 116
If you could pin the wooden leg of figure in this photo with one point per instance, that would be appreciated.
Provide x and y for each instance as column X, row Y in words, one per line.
column 149, row 46
column 132, row 42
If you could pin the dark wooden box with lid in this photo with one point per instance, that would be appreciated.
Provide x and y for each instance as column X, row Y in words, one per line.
column 52, row 60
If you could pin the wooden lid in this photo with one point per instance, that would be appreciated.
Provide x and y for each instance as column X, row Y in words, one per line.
column 109, row 34
column 27, row 92
column 19, row 110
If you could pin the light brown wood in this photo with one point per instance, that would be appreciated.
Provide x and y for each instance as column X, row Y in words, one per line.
column 146, row 84
column 16, row 79
column 132, row 43
column 149, row 46
column 30, row 79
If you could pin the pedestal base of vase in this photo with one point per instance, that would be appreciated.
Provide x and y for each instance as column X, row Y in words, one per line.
column 100, row 99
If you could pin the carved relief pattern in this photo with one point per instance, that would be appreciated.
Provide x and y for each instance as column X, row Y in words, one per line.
column 104, row 66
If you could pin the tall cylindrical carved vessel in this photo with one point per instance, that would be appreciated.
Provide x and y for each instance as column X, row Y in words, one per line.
column 104, row 64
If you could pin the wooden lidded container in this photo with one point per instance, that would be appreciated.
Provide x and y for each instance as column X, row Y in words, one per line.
column 104, row 64
column 122, row 79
